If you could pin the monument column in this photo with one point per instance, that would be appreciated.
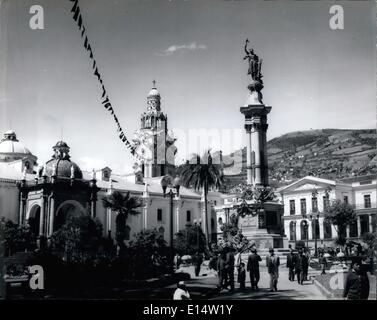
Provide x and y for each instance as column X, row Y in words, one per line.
column 248, row 155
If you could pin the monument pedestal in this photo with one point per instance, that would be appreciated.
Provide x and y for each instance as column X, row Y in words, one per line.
column 249, row 226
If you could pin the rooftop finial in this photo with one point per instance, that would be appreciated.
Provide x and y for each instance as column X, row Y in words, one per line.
column 154, row 84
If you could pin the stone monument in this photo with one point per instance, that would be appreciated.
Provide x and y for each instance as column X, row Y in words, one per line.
column 260, row 214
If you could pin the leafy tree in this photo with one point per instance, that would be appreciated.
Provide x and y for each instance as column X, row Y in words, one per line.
column 147, row 253
column 341, row 215
column 202, row 173
column 123, row 205
column 190, row 240
column 17, row 238
column 78, row 239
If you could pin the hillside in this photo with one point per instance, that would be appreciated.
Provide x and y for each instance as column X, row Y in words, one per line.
column 327, row 153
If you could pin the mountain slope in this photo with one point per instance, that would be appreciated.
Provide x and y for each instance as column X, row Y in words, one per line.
column 329, row 153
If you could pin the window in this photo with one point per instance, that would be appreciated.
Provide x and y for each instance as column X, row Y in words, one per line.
column 367, row 203
column 353, row 229
column 314, row 204
column 159, row 215
column 292, row 231
column 215, row 202
column 315, row 229
column 326, row 202
column 303, row 206
column 327, row 231
column 188, row 216
column 304, row 230
column 292, row 207
column 364, row 224
column 345, row 199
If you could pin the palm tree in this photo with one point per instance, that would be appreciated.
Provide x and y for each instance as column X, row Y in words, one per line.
column 202, row 174
column 123, row 205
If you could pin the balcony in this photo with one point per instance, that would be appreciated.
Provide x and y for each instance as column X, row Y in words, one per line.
column 362, row 206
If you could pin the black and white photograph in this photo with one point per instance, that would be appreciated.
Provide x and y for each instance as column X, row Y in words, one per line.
column 162, row 150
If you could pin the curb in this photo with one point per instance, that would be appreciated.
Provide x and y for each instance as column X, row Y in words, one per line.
column 323, row 290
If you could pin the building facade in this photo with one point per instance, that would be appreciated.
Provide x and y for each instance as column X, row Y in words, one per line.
column 44, row 197
column 305, row 202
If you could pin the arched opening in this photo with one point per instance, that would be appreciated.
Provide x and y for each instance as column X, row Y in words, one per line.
column 127, row 232
column 327, row 230
column 315, row 229
column 34, row 219
column 292, row 231
column 67, row 209
column 304, row 230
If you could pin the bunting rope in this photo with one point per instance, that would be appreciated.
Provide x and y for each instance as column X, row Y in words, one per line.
column 77, row 17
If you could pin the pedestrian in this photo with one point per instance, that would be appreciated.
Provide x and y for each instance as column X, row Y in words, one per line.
column 253, row 268
column 357, row 283
column 181, row 293
column 305, row 265
column 221, row 271
column 198, row 263
column 177, row 261
column 229, row 267
column 323, row 263
column 241, row 278
column 291, row 261
column 299, row 266
column 272, row 263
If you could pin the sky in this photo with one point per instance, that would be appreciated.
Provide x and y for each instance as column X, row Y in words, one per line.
column 314, row 77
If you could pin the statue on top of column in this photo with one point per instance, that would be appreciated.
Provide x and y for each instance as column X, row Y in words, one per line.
column 255, row 64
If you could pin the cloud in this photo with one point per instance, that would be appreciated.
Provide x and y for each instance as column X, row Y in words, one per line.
column 191, row 47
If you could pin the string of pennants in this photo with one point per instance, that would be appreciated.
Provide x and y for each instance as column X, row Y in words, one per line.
column 77, row 17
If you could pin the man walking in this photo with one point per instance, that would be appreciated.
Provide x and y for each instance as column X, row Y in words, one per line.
column 221, row 271
column 198, row 263
column 291, row 260
column 299, row 266
column 229, row 266
column 272, row 263
column 253, row 268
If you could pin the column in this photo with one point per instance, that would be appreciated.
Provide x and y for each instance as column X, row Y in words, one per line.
column 108, row 222
column 334, row 233
column 310, row 230
column 204, row 218
column 255, row 141
column 42, row 218
column 248, row 156
column 22, row 211
column 370, row 222
column 358, row 226
column 52, row 216
column 298, row 229
column 321, row 233
column 348, row 231
column 177, row 211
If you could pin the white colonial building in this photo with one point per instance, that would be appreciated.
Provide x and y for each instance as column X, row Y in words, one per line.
column 45, row 196
column 305, row 201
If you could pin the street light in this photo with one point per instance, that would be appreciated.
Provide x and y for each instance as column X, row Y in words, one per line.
column 173, row 185
column 197, row 232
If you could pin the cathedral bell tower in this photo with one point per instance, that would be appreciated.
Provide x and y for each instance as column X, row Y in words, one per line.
column 154, row 144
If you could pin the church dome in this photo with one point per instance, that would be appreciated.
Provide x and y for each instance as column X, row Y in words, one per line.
column 11, row 149
column 60, row 164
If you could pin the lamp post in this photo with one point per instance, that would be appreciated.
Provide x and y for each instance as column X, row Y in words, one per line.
column 173, row 185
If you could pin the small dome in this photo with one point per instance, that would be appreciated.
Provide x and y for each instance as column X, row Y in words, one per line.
column 60, row 164
column 63, row 168
column 10, row 144
column 153, row 93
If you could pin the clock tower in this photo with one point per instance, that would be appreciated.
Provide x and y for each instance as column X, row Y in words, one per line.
column 154, row 143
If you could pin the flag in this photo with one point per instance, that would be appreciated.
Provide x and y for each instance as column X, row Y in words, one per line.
column 76, row 15
column 103, row 91
column 106, row 101
column 74, row 8
column 108, row 105
column 83, row 31
column 80, row 22
column 94, row 65
column 86, row 42
column 125, row 140
column 96, row 73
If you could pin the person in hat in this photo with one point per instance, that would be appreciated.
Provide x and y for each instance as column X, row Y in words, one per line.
column 291, row 262
column 253, row 268
column 357, row 283
column 181, row 292
column 272, row 263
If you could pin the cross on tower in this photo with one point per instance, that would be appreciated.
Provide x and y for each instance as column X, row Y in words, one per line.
column 154, row 83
